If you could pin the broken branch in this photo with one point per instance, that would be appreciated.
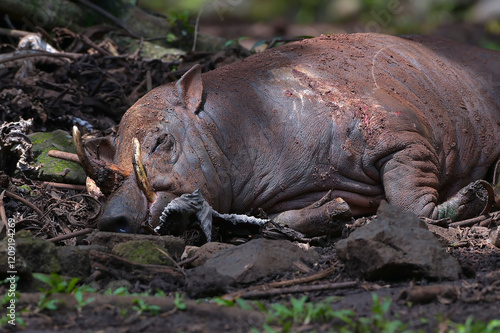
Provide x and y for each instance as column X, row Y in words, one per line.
column 66, row 186
column 469, row 222
column 71, row 235
column 261, row 289
column 297, row 289
column 62, row 155
column 24, row 201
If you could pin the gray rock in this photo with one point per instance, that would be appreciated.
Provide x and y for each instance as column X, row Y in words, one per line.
column 259, row 258
column 207, row 282
column 447, row 236
column 245, row 264
column 397, row 245
column 494, row 237
column 204, row 252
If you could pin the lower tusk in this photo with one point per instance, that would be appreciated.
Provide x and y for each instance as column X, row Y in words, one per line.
column 80, row 151
column 140, row 173
column 92, row 189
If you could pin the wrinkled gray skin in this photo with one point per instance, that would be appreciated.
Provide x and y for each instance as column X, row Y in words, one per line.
column 367, row 116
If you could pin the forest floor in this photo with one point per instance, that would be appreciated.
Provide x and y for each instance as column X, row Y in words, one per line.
column 93, row 88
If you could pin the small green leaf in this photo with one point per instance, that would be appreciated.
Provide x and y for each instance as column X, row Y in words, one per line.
column 179, row 302
column 171, row 38
column 43, row 277
column 71, row 285
column 223, row 302
column 244, row 305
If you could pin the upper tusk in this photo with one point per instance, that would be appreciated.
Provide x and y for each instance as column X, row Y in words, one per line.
column 140, row 173
column 82, row 156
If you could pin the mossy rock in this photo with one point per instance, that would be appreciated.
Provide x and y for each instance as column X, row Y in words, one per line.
column 142, row 252
column 40, row 254
column 21, row 267
column 54, row 169
column 149, row 49
column 75, row 261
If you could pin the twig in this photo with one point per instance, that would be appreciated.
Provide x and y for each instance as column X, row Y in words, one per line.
column 196, row 27
column 71, row 235
column 108, row 16
column 93, row 45
column 14, row 33
column 426, row 294
column 56, row 100
column 495, row 216
column 3, row 216
column 66, row 186
column 188, row 260
column 26, row 202
column 297, row 289
column 260, row 288
column 306, row 279
column 172, row 260
column 73, row 56
column 62, row 155
column 469, row 222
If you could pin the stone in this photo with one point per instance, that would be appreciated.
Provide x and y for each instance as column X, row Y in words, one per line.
column 259, row 258
column 245, row 264
column 75, row 261
column 447, row 236
column 494, row 237
column 41, row 255
column 396, row 246
column 21, row 266
column 174, row 245
column 142, row 252
column 207, row 282
column 204, row 252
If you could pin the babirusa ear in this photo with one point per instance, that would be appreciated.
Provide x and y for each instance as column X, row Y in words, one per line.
column 189, row 89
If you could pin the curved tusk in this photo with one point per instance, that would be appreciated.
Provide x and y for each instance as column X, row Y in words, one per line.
column 80, row 151
column 140, row 173
column 491, row 197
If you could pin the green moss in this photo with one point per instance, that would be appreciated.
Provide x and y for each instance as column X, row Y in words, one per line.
column 141, row 251
column 54, row 169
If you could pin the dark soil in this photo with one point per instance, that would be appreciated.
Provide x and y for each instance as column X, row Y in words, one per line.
column 94, row 90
